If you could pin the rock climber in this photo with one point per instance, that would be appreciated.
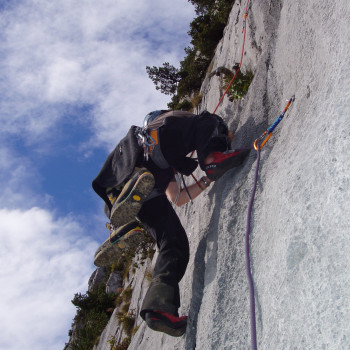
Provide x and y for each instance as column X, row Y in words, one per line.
column 138, row 181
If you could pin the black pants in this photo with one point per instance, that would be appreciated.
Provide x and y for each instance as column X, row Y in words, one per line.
column 205, row 133
column 164, row 225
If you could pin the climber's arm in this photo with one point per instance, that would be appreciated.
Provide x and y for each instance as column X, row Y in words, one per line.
column 194, row 190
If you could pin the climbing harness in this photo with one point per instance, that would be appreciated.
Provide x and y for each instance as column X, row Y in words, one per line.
column 149, row 140
column 148, row 136
column 269, row 131
column 144, row 140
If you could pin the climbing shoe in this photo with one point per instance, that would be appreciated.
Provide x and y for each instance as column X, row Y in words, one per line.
column 224, row 161
column 131, row 198
column 126, row 236
column 167, row 323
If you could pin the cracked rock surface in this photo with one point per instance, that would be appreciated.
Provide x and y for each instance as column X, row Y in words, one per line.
column 300, row 243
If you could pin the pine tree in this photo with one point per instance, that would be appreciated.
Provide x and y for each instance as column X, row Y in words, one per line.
column 164, row 78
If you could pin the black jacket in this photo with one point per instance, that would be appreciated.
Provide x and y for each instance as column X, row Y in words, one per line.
column 178, row 137
column 119, row 164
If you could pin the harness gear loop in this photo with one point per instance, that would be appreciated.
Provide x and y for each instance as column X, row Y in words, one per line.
column 145, row 140
column 149, row 140
column 269, row 131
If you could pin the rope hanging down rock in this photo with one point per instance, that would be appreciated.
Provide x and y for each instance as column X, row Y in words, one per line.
column 247, row 255
column 240, row 63
column 251, row 202
column 258, row 148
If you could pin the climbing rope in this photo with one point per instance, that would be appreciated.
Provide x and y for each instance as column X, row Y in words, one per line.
column 240, row 63
column 247, row 255
column 257, row 147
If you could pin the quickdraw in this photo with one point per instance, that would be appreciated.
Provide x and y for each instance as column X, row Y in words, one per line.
column 145, row 140
column 269, row 131
column 149, row 140
column 244, row 20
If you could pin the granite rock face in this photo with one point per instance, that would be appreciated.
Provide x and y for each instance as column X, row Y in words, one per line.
column 114, row 282
column 300, row 243
column 96, row 278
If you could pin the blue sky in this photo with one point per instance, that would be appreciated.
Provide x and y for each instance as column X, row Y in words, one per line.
column 72, row 80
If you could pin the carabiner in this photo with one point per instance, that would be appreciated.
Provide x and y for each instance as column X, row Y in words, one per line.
column 262, row 138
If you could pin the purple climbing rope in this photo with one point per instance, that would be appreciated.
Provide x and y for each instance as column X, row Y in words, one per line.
column 247, row 249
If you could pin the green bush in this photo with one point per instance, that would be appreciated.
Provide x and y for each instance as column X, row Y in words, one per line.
column 127, row 294
column 206, row 30
column 98, row 300
column 128, row 324
column 208, row 27
column 151, row 252
column 122, row 346
column 192, row 69
column 239, row 86
column 91, row 317
column 127, row 320
column 164, row 78
column 88, row 335
column 93, row 308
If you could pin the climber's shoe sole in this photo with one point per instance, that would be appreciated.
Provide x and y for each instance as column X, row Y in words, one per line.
column 130, row 200
column 127, row 236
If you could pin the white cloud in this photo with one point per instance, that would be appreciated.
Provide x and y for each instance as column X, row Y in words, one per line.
column 55, row 57
column 86, row 52
column 20, row 181
column 15, row 173
column 44, row 261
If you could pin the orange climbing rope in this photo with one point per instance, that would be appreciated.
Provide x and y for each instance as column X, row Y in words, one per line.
column 240, row 63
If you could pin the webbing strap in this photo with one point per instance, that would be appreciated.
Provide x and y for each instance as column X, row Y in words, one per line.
column 186, row 189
